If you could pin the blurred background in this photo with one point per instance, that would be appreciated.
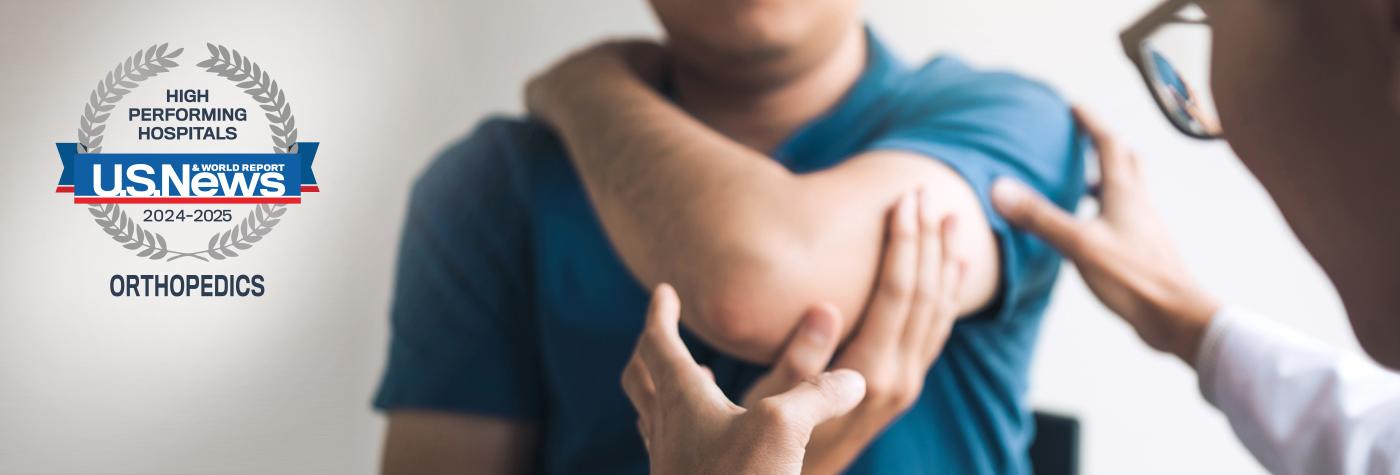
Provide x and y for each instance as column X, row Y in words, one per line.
column 94, row 384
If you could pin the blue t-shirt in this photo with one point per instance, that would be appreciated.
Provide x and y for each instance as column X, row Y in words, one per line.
column 511, row 302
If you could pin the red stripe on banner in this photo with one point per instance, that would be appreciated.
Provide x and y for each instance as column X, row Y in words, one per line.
column 64, row 189
column 310, row 189
column 189, row 200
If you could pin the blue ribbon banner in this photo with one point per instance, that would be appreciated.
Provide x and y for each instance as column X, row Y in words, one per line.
column 187, row 177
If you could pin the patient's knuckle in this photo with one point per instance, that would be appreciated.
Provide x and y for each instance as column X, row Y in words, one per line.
column 790, row 371
column 890, row 390
column 896, row 287
column 947, row 300
column 929, row 228
column 774, row 413
column 879, row 385
column 908, row 393
column 627, row 378
column 629, row 373
column 901, row 399
column 904, row 232
column 927, row 288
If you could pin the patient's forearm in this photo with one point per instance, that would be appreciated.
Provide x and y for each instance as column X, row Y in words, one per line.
column 748, row 244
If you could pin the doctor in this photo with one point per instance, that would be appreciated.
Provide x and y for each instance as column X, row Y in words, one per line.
column 1309, row 98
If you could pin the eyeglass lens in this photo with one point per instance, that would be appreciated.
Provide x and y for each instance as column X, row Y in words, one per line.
column 1177, row 57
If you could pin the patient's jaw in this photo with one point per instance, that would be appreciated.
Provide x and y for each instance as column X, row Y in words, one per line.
column 754, row 43
column 755, row 70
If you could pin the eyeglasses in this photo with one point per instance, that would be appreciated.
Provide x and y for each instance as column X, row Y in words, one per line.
column 1171, row 48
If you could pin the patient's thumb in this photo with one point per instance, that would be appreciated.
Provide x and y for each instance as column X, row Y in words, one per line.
column 820, row 398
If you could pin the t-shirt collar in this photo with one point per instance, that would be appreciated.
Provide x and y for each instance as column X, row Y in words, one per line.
column 821, row 136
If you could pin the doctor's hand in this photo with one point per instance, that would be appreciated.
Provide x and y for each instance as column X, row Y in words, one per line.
column 688, row 424
column 909, row 317
column 1123, row 253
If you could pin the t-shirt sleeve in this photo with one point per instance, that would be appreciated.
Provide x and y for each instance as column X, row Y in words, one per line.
column 998, row 125
column 462, row 328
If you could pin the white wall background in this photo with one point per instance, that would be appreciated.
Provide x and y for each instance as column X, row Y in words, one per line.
column 93, row 384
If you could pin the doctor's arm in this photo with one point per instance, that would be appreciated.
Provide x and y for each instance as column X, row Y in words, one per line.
column 1299, row 407
column 748, row 244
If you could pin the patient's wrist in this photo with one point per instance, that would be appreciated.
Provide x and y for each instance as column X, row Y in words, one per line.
column 589, row 88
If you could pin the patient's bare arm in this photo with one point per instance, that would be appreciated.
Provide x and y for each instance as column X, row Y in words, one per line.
column 421, row 442
column 748, row 244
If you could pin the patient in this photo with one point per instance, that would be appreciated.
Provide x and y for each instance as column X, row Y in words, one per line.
column 751, row 164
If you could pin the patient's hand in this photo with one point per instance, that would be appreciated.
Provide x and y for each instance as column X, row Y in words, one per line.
column 1123, row 253
column 689, row 426
column 609, row 64
column 908, row 319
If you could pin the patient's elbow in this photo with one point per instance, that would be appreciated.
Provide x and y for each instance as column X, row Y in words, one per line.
column 744, row 307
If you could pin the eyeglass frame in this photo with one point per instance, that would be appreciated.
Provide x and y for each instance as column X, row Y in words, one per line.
column 1135, row 37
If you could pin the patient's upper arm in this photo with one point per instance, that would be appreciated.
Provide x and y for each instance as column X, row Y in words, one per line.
column 432, row 442
column 867, row 186
column 826, row 247
column 955, row 140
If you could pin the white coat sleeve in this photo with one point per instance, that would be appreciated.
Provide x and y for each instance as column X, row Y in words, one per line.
column 1299, row 406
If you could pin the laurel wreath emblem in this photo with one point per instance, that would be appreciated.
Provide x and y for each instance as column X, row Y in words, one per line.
column 148, row 63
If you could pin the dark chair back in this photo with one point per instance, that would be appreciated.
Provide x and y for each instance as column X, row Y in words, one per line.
column 1055, row 450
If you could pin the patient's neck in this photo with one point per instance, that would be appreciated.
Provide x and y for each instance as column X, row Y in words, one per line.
column 760, row 105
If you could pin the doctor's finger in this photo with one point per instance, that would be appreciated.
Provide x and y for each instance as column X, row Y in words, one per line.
column 1118, row 165
column 1027, row 210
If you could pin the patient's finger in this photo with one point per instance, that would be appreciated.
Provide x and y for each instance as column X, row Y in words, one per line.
column 667, row 360
column 933, row 238
column 639, row 388
column 946, row 311
column 927, row 315
column 808, row 351
column 818, row 399
column 889, row 306
column 1028, row 210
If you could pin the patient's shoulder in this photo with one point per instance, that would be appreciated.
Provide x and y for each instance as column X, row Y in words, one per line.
column 993, row 117
column 948, row 87
column 494, row 161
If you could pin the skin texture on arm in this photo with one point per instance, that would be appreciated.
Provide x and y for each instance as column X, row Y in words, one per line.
column 430, row 442
column 748, row 244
